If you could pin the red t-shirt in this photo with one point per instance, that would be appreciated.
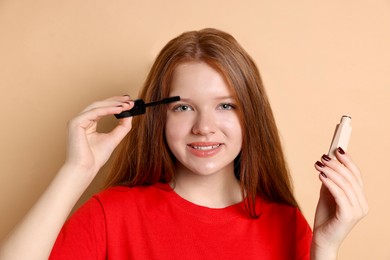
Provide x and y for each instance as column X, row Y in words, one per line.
column 153, row 222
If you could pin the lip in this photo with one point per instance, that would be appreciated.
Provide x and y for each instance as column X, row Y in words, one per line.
column 204, row 149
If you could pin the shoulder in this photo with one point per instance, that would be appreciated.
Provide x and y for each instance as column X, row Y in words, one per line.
column 287, row 220
column 282, row 213
column 124, row 191
column 120, row 196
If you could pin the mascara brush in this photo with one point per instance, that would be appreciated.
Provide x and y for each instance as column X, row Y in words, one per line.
column 140, row 106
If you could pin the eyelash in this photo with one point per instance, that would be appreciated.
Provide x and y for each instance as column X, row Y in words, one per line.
column 230, row 106
column 223, row 106
column 179, row 107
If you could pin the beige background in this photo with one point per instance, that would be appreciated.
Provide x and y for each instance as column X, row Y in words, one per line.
column 319, row 60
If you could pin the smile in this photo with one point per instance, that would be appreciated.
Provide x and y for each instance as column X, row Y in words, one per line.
column 205, row 148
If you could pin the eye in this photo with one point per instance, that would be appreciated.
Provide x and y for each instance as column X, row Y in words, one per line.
column 182, row 108
column 227, row 106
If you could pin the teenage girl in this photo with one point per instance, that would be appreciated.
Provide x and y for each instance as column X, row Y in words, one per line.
column 201, row 178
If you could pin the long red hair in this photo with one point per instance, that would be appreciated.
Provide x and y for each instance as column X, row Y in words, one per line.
column 143, row 157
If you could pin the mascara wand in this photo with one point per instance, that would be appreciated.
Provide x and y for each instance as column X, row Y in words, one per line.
column 140, row 106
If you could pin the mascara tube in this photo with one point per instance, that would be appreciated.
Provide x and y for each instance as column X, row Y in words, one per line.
column 341, row 136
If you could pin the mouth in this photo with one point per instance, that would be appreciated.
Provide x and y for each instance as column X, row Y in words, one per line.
column 204, row 149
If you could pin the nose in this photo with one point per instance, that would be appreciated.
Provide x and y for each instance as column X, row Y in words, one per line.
column 204, row 124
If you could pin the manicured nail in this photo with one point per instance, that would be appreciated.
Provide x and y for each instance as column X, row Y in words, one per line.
column 326, row 158
column 318, row 163
column 323, row 175
column 341, row 151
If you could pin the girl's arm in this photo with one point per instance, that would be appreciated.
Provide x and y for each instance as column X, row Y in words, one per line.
column 341, row 205
column 88, row 151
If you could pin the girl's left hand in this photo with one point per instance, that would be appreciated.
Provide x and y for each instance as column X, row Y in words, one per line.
column 341, row 205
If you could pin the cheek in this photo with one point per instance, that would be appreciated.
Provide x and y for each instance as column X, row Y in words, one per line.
column 174, row 130
column 232, row 126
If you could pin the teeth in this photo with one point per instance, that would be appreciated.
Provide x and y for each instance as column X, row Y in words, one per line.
column 203, row 148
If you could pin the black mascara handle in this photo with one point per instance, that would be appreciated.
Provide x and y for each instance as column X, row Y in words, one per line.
column 140, row 106
column 138, row 109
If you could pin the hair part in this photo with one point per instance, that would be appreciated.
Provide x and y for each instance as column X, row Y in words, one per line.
column 143, row 157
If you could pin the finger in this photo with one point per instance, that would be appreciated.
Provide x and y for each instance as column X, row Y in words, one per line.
column 348, row 173
column 123, row 127
column 345, row 211
column 337, row 193
column 112, row 101
column 106, row 103
column 121, row 130
column 337, row 166
column 347, row 161
column 91, row 117
column 346, row 181
column 343, row 184
column 345, row 166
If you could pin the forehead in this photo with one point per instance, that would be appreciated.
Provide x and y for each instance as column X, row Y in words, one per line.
column 195, row 77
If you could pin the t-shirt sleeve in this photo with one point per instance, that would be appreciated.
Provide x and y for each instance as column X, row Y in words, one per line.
column 304, row 236
column 83, row 236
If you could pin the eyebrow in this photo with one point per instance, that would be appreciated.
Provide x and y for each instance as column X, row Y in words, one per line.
column 217, row 98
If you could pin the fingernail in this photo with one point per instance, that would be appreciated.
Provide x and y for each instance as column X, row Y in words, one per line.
column 326, row 158
column 318, row 163
column 126, row 95
column 323, row 175
column 341, row 151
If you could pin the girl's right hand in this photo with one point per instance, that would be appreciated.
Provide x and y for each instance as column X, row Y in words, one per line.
column 88, row 149
column 87, row 152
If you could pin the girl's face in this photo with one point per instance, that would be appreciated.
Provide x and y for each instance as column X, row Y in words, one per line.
column 202, row 129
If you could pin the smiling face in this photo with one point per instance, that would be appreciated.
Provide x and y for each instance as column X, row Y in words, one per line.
column 202, row 130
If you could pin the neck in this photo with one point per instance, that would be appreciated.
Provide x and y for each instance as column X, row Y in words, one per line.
column 218, row 190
